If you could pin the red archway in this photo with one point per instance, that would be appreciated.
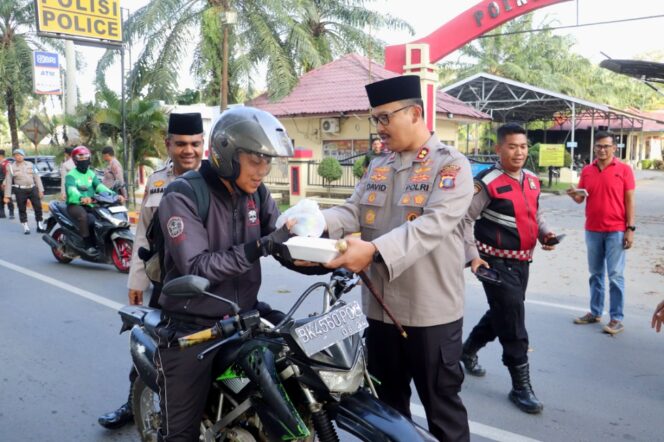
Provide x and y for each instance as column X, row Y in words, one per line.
column 417, row 57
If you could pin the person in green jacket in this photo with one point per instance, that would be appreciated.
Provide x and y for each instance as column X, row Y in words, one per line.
column 81, row 184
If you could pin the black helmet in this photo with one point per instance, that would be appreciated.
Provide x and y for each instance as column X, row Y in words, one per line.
column 247, row 129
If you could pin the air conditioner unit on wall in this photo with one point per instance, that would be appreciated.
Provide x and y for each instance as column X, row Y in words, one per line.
column 329, row 125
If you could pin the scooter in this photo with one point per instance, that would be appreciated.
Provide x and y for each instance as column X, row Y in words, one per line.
column 280, row 382
column 109, row 226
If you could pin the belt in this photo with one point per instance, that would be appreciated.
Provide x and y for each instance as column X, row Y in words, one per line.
column 519, row 255
column 22, row 187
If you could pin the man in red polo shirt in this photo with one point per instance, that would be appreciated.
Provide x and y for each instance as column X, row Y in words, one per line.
column 609, row 188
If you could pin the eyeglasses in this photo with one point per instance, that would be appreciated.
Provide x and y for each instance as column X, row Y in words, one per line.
column 603, row 146
column 384, row 119
column 257, row 159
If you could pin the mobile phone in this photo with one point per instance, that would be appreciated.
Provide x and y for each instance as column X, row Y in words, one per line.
column 488, row 275
column 555, row 240
column 582, row 192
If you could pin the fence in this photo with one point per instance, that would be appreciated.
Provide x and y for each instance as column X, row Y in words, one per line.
column 347, row 180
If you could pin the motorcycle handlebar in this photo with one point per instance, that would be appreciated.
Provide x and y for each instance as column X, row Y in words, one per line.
column 221, row 329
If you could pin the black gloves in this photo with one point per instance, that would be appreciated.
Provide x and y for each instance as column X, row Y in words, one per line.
column 268, row 245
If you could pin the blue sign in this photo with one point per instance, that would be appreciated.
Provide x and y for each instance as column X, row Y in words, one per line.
column 46, row 73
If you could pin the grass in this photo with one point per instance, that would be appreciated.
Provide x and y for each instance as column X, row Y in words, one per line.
column 556, row 188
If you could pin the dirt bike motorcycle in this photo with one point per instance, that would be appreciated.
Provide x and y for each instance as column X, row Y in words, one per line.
column 280, row 382
column 109, row 226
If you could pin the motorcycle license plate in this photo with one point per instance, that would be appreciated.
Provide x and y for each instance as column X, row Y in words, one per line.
column 117, row 209
column 331, row 328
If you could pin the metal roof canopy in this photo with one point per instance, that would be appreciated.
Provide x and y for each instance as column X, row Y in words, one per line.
column 508, row 100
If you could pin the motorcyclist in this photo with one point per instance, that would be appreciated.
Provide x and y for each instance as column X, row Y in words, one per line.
column 81, row 184
column 240, row 228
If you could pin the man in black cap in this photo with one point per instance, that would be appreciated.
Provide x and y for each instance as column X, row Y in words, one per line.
column 408, row 208
column 184, row 144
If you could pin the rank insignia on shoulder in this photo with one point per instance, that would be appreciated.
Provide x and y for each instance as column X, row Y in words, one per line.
column 423, row 153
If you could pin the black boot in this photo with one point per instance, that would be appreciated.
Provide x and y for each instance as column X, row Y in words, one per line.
column 522, row 393
column 117, row 418
column 470, row 359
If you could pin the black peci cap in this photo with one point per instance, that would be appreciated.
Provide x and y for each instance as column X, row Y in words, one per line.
column 394, row 89
column 185, row 124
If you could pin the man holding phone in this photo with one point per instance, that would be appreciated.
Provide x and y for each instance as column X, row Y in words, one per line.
column 608, row 184
column 508, row 223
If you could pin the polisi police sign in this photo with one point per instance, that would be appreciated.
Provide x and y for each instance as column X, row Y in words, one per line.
column 81, row 19
column 46, row 73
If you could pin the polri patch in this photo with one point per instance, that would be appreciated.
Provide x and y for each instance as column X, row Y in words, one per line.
column 447, row 182
column 175, row 226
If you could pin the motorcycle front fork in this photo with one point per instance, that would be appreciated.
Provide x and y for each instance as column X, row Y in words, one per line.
column 322, row 423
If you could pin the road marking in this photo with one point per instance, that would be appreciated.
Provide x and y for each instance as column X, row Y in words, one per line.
column 482, row 430
column 64, row 286
column 556, row 305
column 476, row 428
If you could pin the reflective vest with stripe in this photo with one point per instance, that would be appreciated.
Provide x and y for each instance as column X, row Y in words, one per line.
column 507, row 227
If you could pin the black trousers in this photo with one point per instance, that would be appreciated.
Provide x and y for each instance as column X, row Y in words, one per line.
column 80, row 215
column 22, row 197
column 429, row 356
column 10, row 206
column 505, row 318
column 184, row 381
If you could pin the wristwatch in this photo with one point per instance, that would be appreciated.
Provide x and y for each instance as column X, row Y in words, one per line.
column 632, row 228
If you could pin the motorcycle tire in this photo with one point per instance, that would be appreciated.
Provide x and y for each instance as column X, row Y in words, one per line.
column 59, row 236
column 147, row 417
column 121, row 254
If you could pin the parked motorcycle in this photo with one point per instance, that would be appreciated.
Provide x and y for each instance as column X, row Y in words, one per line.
column 109, row 226
column 274, row 382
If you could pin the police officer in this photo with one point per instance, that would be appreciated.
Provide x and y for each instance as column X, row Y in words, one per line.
column 408, row 208
column 66, row 167
column 239, row 229
column 509, row 223
column 184, row 144
column 23, row 180
column 4, row 167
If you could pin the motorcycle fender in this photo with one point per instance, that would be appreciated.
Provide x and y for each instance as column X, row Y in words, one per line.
column 143, row 349
column 371, row 420
column 122, row 233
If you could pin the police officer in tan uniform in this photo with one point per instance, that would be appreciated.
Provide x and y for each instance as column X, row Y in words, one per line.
column 184, row 143
column 408, row 208
column 23, row 180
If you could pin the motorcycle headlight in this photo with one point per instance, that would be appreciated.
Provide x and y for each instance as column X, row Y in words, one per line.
column 344, row 381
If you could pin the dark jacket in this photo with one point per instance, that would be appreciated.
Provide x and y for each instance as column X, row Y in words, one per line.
column 214, row 250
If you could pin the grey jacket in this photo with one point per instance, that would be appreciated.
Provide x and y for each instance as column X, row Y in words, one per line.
column 214, row 250
column 410, row 205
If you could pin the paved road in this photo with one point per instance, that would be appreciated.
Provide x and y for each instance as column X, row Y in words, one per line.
column 62, row 362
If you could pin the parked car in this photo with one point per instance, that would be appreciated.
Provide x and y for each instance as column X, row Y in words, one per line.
column 49, row 172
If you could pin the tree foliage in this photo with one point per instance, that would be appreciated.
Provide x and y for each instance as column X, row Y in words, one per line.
column 546, row 60
column 330, row 170
column 289, row 36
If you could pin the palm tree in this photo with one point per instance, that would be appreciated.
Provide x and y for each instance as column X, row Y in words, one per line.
column 16, row 19
column 289, row 36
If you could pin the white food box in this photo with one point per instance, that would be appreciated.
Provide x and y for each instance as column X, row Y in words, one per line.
column 312, row 249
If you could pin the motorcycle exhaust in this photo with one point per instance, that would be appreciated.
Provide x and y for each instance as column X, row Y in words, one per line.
column 50, row 241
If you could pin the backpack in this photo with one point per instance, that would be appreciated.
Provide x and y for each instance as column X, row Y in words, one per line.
column 198, row 192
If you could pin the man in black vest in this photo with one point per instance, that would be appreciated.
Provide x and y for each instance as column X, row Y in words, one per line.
column 508, row 223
